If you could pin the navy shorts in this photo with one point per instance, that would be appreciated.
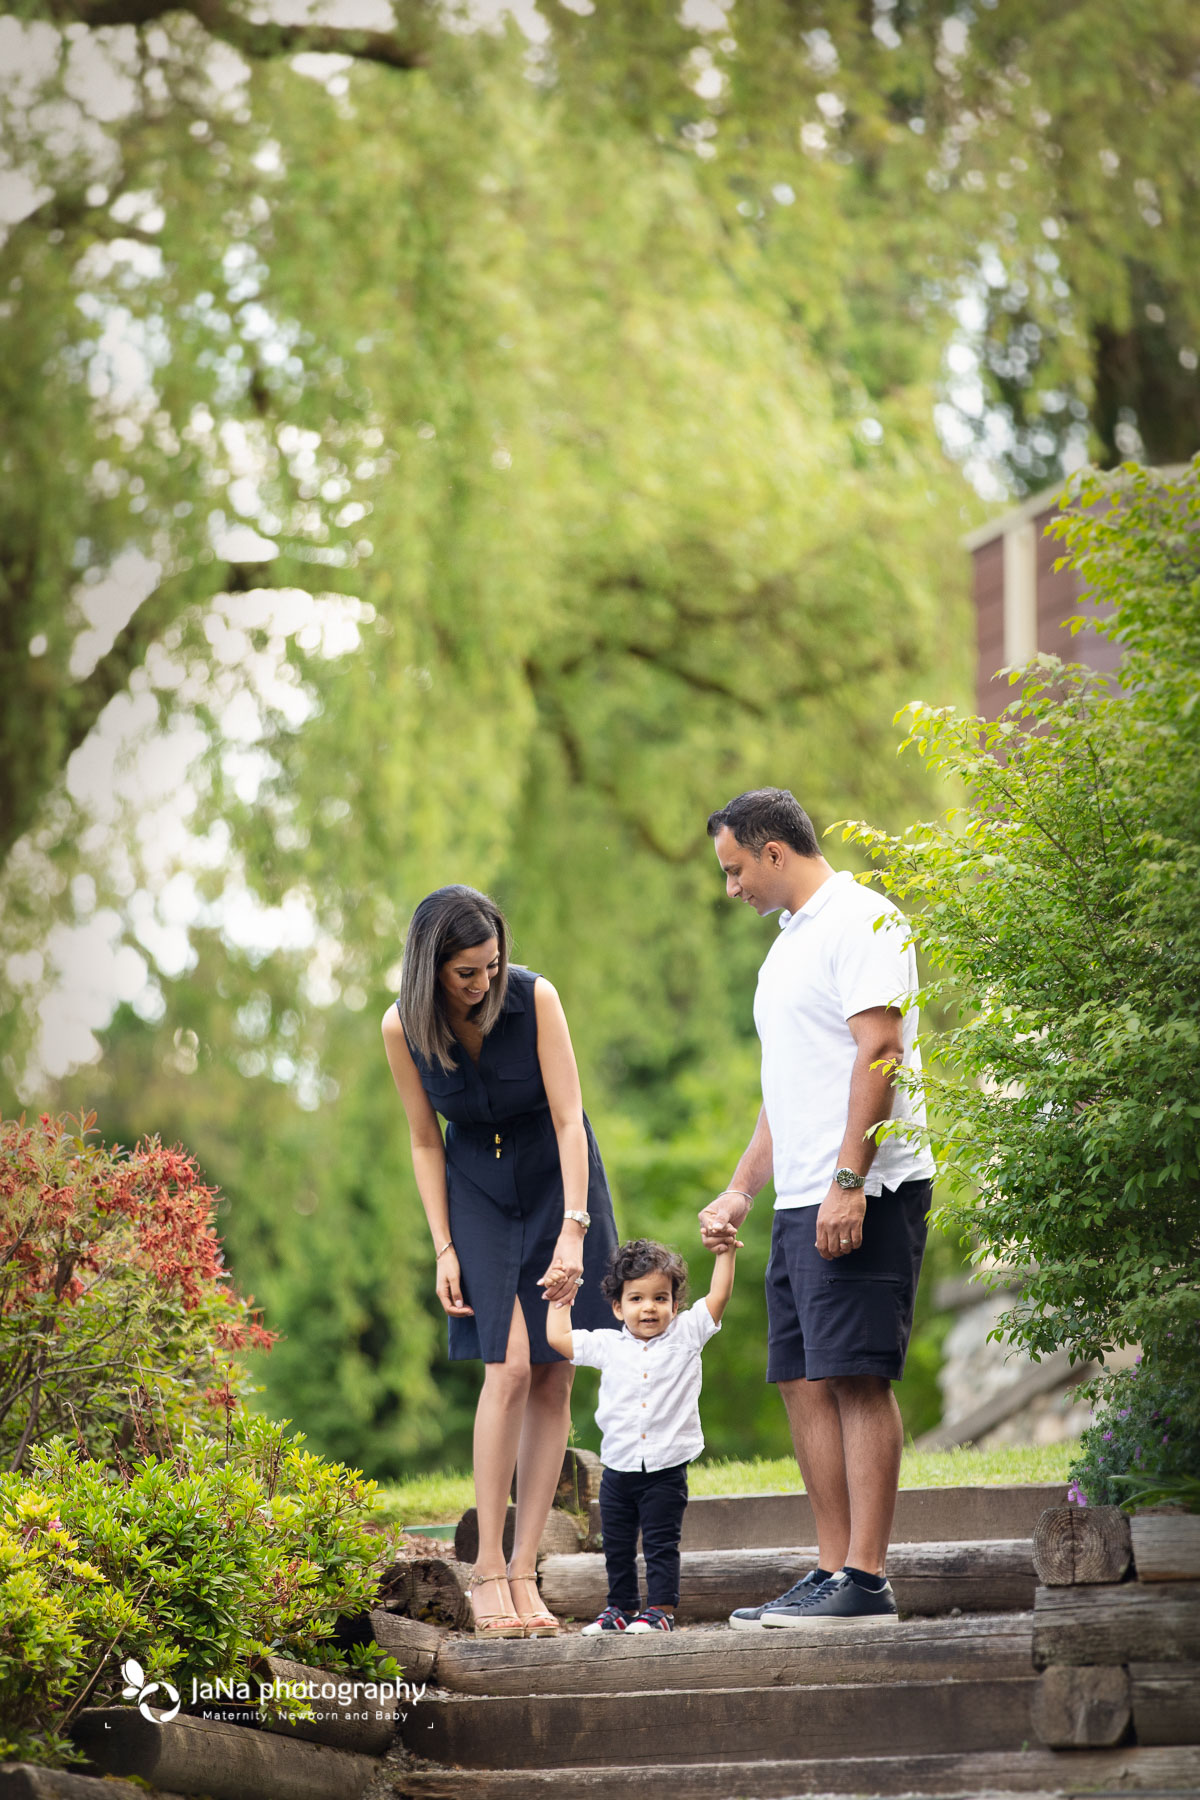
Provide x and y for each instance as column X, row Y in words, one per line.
column 851, row 1316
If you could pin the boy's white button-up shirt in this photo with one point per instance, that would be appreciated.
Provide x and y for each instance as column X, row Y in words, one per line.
column 648, row 1411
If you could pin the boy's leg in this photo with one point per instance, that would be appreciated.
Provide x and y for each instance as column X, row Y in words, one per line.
column 619, row 1524
column 664, row 1499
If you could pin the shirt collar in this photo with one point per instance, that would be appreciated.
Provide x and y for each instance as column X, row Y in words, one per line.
column 816, row 901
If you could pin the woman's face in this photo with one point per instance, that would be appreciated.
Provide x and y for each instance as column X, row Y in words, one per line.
column 466, row 976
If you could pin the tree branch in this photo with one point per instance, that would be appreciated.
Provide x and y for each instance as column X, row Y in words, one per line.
column 405, row 47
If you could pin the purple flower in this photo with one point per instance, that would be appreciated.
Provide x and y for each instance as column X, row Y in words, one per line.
column 1124, row 1413
column 1166, row 1438
column 1137, row 1359
column 1076, row 1495
column 1108, row 1437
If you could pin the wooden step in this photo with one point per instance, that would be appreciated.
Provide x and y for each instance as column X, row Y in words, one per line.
column 994, row 1645
column 722, row 1724
column 29, row 1781
column 1130, row 1771
column 923, row 1515
column 223, row 1762
column 927, row 1578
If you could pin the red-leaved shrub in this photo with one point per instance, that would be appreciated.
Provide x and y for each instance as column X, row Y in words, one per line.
column 115, row 1305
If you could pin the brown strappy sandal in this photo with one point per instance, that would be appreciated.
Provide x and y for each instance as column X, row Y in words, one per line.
column 540, row 1622
column 497, row 1624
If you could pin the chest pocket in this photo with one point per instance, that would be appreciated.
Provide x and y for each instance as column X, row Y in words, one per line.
column 443, row 1086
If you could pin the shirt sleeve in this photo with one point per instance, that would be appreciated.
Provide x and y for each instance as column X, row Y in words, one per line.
column 589, row 1350
column 697, row 1325
column 872, row 965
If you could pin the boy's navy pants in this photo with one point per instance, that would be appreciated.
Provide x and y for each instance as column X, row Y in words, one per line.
column 654, row 1501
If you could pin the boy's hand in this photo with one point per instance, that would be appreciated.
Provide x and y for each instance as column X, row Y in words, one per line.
column 727, row 1249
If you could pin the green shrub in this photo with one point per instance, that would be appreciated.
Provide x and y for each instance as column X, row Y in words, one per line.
column 1060, row 904
column 194, row 1563
column 113, row 1297
column 1143, row 1445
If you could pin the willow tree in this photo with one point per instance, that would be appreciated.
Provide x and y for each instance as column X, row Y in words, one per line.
column 486, row 459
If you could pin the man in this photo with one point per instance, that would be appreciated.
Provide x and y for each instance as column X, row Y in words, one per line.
column 833, row 1012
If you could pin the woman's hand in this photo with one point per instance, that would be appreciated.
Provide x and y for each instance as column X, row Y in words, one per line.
column 449, row 1287
column 562, row 1279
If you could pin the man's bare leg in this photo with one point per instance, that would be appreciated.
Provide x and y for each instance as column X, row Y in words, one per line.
column 816, row 1425
column 872, row 1437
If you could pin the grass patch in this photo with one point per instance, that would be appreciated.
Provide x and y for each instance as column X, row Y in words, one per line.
column 444, row 1496
column 1013, row 1464
column 431, row 1499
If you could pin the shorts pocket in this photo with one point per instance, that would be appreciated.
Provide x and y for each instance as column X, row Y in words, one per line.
column 863, row 1315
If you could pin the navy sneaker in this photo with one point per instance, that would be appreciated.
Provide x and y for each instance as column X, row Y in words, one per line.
column 653, row 1618
column 838, row 1598
column 750, row 1618
column 611, row 1619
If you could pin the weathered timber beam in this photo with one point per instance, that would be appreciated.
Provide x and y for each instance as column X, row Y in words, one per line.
column 1166, row 1702
column 1132, row 1622
column 1079, row 1709
column 1081, row 1545
column 1166, row 1545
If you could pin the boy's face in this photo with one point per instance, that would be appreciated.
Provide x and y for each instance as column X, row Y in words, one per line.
column 647, row 1304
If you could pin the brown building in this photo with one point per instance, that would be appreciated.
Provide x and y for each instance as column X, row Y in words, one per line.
column 1022, row 604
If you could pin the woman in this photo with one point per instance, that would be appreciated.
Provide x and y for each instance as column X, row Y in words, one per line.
column 519, row 1209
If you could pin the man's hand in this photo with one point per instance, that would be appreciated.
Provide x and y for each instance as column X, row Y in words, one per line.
column 840, row 1221
column 720, row 1219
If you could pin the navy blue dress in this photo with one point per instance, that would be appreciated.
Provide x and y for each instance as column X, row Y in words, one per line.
column 504, row 1184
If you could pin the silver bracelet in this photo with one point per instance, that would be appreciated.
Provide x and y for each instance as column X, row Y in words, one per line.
column 448, row 1245
column 741, row 1191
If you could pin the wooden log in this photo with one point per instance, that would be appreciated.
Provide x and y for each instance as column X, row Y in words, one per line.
column 430, row 1588
column 1078, row 1708
column 913, row 1650
column 926, row 1578
column 29, row 1781
column 224, row 1762
column 724, row 1725
column 1166, row 1702
column 923, row 1516
column 345, row 1713
column 1166, row 1545
column 1073, row 1545
column 414, row 1644
column 579, row 1482
column 1133, row 1622
column 562, row 1535
column 1047, row 1774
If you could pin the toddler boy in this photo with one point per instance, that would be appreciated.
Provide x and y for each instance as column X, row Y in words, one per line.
column 649, row 1415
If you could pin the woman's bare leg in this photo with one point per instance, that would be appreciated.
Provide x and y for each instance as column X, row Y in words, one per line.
column 499, row 1418
column 540, row 1456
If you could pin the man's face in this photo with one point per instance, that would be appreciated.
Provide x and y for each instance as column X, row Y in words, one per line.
column 754, row 879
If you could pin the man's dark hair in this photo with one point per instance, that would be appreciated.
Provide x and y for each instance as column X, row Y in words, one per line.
column 642, row 1256
column 764, row 816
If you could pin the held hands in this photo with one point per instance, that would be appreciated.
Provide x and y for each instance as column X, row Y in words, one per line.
column 840, row 1222
column 564, row 1277
column 719, row 1222
column 449, row 1286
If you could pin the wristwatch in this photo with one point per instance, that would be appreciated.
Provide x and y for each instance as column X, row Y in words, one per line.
column 849, row 1178
column 578, row 1218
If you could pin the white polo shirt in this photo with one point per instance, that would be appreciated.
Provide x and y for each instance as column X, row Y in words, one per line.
column 830, row 961
column 648, row 1409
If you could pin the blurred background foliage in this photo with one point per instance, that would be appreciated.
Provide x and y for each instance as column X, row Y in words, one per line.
column 447, row 450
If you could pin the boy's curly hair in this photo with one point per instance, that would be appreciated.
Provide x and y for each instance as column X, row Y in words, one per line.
column 640, row 1256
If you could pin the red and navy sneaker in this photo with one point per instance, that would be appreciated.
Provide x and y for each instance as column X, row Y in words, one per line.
column 611, row 1619
column 653, row 1618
